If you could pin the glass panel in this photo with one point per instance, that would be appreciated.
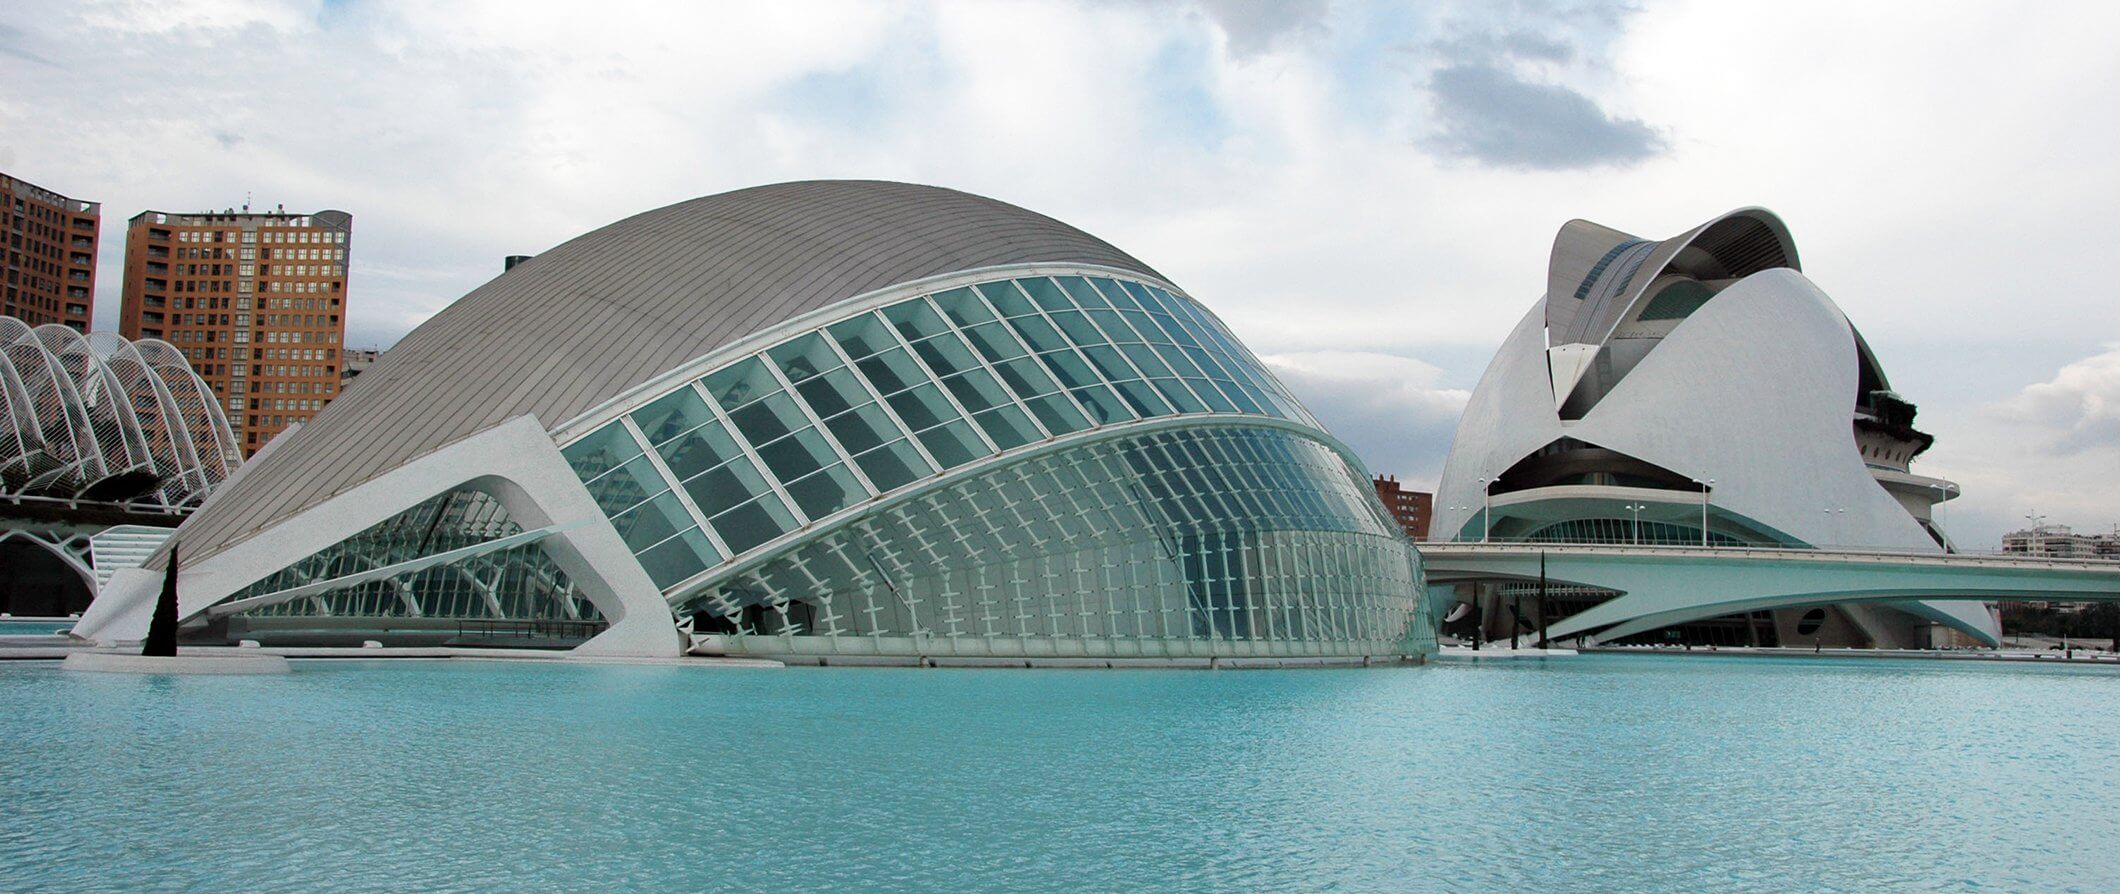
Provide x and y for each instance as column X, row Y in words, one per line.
column 833, row 393
column 1038, row 333
column 754, row 523
column 1135, row 291
column 768, row 419
column 652, row 522
column 893, row 466
column 1078, row 288
column 1077, row 327
column 804, row 357
column 1007, row 427
column 827, row 491
column 892, row 371
column 1101, row 404
column 1178, row 395
column 1145, row 358
column 862, row 336
column 923, row 407
column 945, row 354
column 626, row 485
column 962, row 307
column 1236, row 395
column 994, row 342
column 1006, row 299
column 1112, row 293
column 1109, row 364
column 914, row 319
column 864, row 428
column 793, row 457
column 1115, row 326
column 698, row 450
column 601, row 451
column 1146, row 326
column 1045, row 293
column 671, row 415
column 740, row 383
column 1142, row 398
column 1070, row 369
column 1179, row 363
column 678, row 558
column 953, row 445
column 1057, row 413
column 716, row 491
column 1025, row 378
column 976, row 390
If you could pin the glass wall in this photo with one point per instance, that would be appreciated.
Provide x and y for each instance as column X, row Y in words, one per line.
column 515, row 584
column 1221, row 540
column 834, row 417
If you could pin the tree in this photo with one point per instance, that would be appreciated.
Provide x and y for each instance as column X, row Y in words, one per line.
column 162, row 630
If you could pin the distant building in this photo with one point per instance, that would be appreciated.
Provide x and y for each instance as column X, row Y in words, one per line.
column 50, row 251
column 1412, row 508
column 1635, row 405
column 2059, row 542
column 357, row 360
column 256, row 301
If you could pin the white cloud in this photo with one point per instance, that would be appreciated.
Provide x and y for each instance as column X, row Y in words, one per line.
column 2078, row 411
column 1276, row 160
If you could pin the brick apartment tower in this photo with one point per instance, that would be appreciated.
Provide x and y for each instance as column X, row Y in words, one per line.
column 256, row 300
column 50, row 253
column 1412, row 508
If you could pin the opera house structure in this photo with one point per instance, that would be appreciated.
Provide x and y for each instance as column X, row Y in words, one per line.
column 835, row 422
column 1694, row 391
column 98, row 436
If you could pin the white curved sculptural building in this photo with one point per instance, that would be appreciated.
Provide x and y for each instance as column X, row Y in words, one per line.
column 100, row 418
column 1698, row 390
column 104, row 444
column 819, row 421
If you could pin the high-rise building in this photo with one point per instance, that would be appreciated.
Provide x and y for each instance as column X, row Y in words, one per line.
column 1410, row 507
column 50, row 254
column 255, row 300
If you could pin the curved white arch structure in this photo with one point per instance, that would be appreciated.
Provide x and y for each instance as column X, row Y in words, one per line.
column 1701, row 390
column 98, row 417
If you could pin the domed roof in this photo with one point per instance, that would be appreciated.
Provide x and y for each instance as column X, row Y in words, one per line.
column 583, row 322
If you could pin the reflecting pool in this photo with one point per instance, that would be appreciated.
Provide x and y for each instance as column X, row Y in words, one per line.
column 1624, row 773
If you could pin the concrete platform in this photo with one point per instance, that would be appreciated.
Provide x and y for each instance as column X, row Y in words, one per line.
column 122, row 663
column 1490, row 653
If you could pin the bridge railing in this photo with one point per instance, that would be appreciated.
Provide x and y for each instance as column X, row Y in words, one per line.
column 1780, row 548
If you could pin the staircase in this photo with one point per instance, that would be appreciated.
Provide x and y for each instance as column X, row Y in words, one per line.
column 123, row 546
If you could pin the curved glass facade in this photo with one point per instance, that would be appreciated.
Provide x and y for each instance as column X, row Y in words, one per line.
column 1229, row 536
column 1221, row 540
column 869, row 404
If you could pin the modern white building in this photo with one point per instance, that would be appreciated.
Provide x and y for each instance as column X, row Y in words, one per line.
column 820, row 421
column 96, row 433
column 1697, row 391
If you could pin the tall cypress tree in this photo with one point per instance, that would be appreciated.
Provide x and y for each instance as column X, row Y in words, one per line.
column 162, row 630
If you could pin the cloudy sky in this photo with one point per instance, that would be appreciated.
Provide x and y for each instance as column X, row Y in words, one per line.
column 1366, row 192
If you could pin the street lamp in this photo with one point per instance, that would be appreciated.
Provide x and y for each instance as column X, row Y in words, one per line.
column 1635, row 536
column 1705, row 486
column 1943, row 495
column 1486, row 508
column 2038, row 521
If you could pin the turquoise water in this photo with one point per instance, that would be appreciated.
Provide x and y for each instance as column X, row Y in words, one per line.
column 16, row 627
column 1621, row 773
